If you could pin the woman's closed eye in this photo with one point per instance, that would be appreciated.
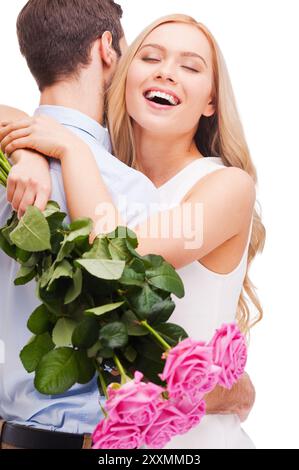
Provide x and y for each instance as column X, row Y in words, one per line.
column 191, row 68
column 150, row 59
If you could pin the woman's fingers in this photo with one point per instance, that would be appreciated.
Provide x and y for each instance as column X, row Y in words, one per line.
column 18, row 195
column 14, row 135
column 22, row 143
column 14, row 126
column 27, row 199
column 42, row 198
column 11, row 187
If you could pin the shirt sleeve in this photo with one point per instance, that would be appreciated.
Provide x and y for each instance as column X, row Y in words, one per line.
column 5, row 207
column 58, row 194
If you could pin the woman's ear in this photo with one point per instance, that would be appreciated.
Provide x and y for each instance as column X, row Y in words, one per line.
column 210, row 109
column 108, row 54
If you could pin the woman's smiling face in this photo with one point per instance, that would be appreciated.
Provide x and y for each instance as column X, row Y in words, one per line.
column 169, row 82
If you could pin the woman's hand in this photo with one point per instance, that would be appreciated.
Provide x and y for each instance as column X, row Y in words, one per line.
column 40, row 133
column 29, row 182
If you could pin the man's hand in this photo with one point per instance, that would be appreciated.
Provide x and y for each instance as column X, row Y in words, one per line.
column 29, row 181
column 239, row 400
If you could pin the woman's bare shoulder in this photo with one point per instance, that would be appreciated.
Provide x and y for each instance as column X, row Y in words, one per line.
column 227, row 196
column 227, row 182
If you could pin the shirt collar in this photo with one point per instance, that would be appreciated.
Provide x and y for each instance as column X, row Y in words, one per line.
column 74, row 118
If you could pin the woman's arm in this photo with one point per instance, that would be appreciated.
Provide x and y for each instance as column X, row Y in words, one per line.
column 8, row 113
column 227, row 196
column 215, row 210
column 29, row 181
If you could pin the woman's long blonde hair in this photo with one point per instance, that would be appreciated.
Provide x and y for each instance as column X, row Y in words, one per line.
column 221, row 135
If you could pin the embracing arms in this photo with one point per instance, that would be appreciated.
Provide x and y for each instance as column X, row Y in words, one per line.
column 232, row 187
column 223, row 199
column 29, row 182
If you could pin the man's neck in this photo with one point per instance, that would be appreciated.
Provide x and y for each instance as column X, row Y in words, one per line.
column 73, row 95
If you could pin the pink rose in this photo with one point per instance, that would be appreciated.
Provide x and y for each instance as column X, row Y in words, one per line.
column 230, row 353
column 193, row 413
column 166, row 425
column 136, row 402
column 189, row 370
column 110, row 435
column 172, row 421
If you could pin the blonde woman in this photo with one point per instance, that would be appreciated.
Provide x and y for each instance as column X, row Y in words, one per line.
column 172, row 115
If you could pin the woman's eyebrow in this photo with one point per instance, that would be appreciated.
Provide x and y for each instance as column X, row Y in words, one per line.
column 183, row 54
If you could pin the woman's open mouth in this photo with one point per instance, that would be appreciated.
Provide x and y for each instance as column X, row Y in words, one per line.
column 161, row 99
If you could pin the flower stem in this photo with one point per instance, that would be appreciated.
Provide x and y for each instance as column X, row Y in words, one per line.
column 165, row 345
column 124, row 376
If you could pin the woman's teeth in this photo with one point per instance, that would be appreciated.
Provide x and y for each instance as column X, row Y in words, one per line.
column 152, row 95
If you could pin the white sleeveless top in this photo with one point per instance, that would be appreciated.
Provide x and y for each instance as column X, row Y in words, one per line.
column 210, row 300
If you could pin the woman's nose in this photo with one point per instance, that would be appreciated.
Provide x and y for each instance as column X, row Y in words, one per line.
column 165, row 74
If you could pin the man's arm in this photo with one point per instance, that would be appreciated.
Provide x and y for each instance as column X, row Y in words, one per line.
column 29, row 182
column 240, row 399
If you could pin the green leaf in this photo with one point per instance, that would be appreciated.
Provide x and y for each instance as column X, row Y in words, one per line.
column 79, row 228
column 55, row 222
column 137, row 265
column 86, row 333
column 118, row 249
column 99, row 250
column 144, row 301
column 114, row 335
column 105, row 353
column 172, row 333
column 131, row 278
column 103, row 269
column 63, row 269
column 75, row 289
column 33, row 352
column 85, row 366
column 92, row 352
column 149, row 359
column 22, row 255
column 32, row 233
column 126, row 234
column 63, row 331
column 153, row 261
column 8, row 249
column 52, row 301
column 130, row 353
column 24, row 276
column 162, row 311
column 39, row 321
column 65, row 250
column 166, row 278
column 52, row 208
column 11, row 224
column 104, row 309
column 132, row 324
column 57, row 372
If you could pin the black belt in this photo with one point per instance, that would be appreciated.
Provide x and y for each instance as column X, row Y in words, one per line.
column 25, row 437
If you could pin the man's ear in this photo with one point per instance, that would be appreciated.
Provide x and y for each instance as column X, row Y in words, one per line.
column 108, row 54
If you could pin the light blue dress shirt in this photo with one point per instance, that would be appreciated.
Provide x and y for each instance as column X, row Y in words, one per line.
column 78, row 410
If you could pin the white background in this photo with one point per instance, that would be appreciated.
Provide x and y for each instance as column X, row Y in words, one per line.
column 258, row 39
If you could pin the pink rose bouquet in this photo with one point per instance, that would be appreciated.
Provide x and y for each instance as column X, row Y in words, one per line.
column 143, row 413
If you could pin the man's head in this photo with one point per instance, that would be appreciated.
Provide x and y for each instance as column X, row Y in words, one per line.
column 56, row 36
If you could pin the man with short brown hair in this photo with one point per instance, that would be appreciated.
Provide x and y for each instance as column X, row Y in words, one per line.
column 72, row 48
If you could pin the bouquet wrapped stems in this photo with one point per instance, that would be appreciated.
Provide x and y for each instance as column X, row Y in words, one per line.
column 5, row 168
